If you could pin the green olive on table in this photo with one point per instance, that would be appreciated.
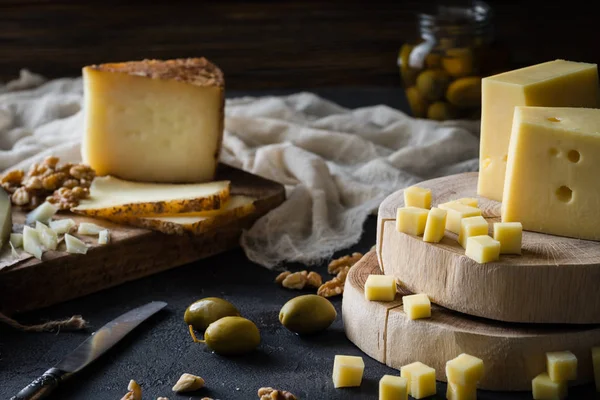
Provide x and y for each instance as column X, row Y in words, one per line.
column 307, row 314
column 232, row 336
column 204, row 312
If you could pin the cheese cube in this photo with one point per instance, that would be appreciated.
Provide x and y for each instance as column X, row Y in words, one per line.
column 380, row 288
column 468, row 201
column 556, row 83
column 411, row 220
column 420, row 379
column 596, row 362
column 510, row 236
column 415, row 196
column 417, row 306
column 472, row 226
column 347, row 371
column 544, row 388
column 393, row 387
column 456, row 212
column 561, row 366
column 464, row 370
column 552, row 172
column 435, row 226
column 482, row 249
column 459, row 392
column 154, row 120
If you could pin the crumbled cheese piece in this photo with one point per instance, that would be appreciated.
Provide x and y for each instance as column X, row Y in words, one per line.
column 43, row 213
column 87, row 228
column 31, row 242
column 47, row 236
column 74, row 245
column 16, row 240
column 104, row 236
column 61, row 226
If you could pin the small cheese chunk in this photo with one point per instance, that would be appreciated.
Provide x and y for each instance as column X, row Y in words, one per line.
column 31, row 242
column 347, row 371
column 154, row 120
column 420, row 379
column 464, row 370
column 456, row 212
column 16, row 239
column 87, row 228
column 482, row 249
column 435, row 226
column 104, row 236
column 556, row 83
column 43, row 213
column 47, row 236
column 472, row 226
column 417, row 306
column 561, row 366
column 411, row 220
column 380, row 288
column 468, row 201
column 415, row 196
column 544, row 388
column 392, row 387
column 75, row 245
column 596, row 363
column 510, row 236
column 455, row 391
column 61, row 226
column 13, row 251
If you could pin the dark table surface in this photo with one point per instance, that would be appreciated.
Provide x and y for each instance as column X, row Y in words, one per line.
column 160, row 350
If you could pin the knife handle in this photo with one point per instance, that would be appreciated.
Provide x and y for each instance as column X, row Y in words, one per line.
column 42, row 386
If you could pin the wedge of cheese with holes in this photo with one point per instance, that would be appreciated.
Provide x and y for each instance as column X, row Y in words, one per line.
column 153, row 120
column 556, row 83
column 551, row 181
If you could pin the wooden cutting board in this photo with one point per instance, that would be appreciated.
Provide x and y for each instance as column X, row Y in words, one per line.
column 132, row 253
column 513, row 354
column 555, row 280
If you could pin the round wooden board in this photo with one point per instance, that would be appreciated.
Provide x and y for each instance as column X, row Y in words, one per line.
column 555, row 280
column 513, row 354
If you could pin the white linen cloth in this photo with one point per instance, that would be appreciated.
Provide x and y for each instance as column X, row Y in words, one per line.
column 337, row 164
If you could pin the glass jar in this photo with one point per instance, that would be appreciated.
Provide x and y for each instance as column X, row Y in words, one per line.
column 441, row 70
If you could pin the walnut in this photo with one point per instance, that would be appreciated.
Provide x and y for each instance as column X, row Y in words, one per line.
column 81, row 171
column 188, row 383
column 341, row 276
column 33, row 183
column 70, row 183
column 53, row 181
column 347, row 261
column 331, row 288
column 14, row 176
column 162, row 398
column 37, row 169
column 51, row 161
column 313, row 279
column 268, row 393
column 9, row 187
column 299, row 280
column 282, row 276
column 20, row 197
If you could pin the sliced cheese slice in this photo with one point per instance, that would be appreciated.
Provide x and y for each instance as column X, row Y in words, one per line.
column 198, row 222
column 111, row 197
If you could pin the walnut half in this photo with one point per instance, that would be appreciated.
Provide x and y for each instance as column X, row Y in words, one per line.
column 268, row 393
column 299, row 280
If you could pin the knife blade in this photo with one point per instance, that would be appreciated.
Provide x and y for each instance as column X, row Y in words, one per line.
column 88, row 351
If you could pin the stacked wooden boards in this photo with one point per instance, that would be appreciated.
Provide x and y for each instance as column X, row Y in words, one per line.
column 509, row 312
column 132, row 253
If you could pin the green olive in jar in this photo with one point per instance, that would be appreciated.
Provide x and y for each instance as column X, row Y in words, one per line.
column 232, row 336
column 307, row 314
column 204, row 312
column 432, row 84
column 408, row 74
column 459, row 62
column 418, row 105
column 465, row 92
column 442, row 111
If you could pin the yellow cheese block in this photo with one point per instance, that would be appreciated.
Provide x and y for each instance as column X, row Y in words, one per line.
column 417, row 306
column 510, row 236
column 544, row 388
column 561, row 366
column 456, row 212
column 464, row 370
column 469, row 201
column 556, row 83
column 596, row 362
column 435, row 226
column 411, row 220
column 552, row 173
column 153, row 120
column 347, row 371
column 460, row 392
column 415, row 196
column 380, row 288
column 392, row 387
column 482, row 249
column 420, row 379
column 472, row 226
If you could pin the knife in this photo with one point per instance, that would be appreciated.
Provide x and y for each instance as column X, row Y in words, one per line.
column 88, row 351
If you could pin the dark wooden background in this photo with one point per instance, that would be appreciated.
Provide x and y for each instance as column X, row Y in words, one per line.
column 269, row 44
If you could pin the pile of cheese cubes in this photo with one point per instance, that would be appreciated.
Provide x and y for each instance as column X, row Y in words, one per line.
column 417, row 379
column 462, row 217
column 383, row 288
column 561, row 367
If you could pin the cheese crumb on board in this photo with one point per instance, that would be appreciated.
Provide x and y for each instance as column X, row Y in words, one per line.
column 347, row 371
column 464, row 370
column 61, row 226
column 456, row 212
column 482, row 249
column 31, row 242
column 544, row 388
column 561, row 366
column 154, row 120
column 435, row 226
column 392, row 387
column 420, row 379
column 89, row 229
column 42, row 213
column 510, row 236
column 455, row 391
column 411, row 220
column 596, row 362
column 47, row 236
column 472, row 226
column 16, row 239
column 417, row 306
column 380, row 288
column 104, row 236
column 75, row 245
column 415, row 196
